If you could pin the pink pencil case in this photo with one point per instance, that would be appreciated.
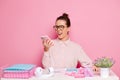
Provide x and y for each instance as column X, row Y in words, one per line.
column 18, row 74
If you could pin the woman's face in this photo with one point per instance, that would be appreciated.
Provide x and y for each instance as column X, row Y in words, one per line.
column 61, row 29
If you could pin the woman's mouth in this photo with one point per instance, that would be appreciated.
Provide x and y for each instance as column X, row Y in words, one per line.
column 59, row 34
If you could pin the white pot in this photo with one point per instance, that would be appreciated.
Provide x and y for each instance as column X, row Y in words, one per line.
column 104, row 72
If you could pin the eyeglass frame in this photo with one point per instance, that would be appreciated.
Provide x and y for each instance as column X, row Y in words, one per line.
column 61, row 27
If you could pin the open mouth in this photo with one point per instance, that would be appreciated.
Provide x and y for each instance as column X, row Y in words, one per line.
column 59, row 34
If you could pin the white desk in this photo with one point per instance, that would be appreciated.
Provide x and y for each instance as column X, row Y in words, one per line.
column 59, row 76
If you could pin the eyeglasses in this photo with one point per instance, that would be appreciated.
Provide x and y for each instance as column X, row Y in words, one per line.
column 61, row 27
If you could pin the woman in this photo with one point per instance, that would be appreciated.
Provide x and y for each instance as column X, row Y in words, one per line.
column 62, row 52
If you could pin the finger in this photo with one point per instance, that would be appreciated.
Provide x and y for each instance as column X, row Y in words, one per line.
column 51, row 43
column 48, row 41
column 94, row 70
column 45, row 43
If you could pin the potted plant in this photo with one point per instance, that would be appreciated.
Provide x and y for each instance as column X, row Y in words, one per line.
column 104, row 64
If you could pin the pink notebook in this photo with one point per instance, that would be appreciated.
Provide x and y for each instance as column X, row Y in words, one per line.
column 19, row 71
column 18, row 74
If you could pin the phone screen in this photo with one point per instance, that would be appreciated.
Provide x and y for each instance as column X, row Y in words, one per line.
column 44, row 37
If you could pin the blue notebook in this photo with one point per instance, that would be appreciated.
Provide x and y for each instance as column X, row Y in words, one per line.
column 20, row 67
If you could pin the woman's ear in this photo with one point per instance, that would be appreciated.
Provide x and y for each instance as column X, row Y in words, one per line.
column 68, row 30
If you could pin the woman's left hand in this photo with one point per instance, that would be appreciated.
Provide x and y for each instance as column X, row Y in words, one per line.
column 95, row 69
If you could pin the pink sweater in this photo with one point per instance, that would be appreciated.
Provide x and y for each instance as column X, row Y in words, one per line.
column 65, row 54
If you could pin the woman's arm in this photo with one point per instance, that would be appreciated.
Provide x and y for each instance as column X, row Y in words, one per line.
column 46, row 60
column 83, row 58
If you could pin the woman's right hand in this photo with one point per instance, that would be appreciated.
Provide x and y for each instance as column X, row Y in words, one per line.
column 47, row 43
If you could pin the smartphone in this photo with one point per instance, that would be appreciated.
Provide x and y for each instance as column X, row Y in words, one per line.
column 44, row 37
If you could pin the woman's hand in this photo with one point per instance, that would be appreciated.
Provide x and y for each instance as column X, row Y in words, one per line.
column 47, row 43
column 96, row 69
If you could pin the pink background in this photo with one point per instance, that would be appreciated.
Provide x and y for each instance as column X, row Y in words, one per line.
column 95, row 26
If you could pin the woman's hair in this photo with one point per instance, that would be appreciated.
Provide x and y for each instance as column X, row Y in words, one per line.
column 66, row 18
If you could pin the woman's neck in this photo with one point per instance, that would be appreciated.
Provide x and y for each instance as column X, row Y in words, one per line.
column 64, row 38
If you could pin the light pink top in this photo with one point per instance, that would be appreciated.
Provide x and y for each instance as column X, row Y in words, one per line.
column 65, row 54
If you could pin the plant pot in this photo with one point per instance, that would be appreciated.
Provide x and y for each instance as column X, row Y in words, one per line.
column 104, row 72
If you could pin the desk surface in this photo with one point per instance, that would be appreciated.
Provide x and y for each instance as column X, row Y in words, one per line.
column 60, row 76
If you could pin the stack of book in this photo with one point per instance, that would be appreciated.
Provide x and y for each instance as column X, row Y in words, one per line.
column 19, row 71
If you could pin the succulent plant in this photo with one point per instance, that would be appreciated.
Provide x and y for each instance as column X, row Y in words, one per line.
column 104, row 62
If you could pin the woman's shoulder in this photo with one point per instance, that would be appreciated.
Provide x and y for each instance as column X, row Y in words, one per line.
column 54, row 40
column 75, row 44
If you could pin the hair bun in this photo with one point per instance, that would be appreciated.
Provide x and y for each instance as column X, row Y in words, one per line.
column 65, row 15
